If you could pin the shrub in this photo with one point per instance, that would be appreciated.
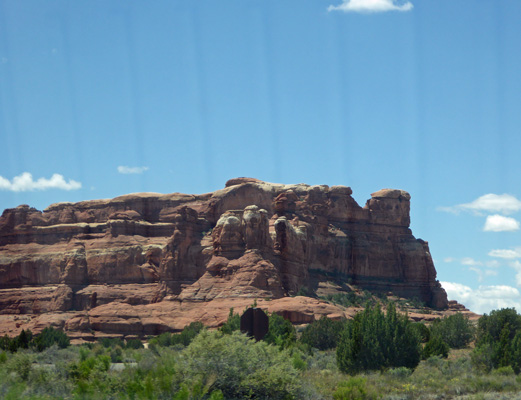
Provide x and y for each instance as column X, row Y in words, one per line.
column 239, row 366
column 20, row 364
column 354, row 389
column 188, row 334
column 232, row 324
column 422, row 330
column 322, row 334
column 498, row 340
column 373, row 341
column 490, row 327
column 50, row 336
column 112, row 342
column 184, row 338
column 436, row 346
column 400, row 372
column 164, row 340
column 504, row 371
column 5, row 342
column 483, row 357
column 456, row 330
column 24, row 339
column 116, row 355
column 134, row 344
column 281, row 332
column 515, row 349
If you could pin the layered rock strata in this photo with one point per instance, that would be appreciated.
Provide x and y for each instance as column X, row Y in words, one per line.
column 146, row 263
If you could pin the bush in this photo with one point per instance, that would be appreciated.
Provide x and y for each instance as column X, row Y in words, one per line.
column 504, row 371
column 232, row 324
column 184, row 338
column 188, row 334
column 112, row 343
column 354, row 389
column 490, row 327
column 436, row 346
column 21, row 365
column 456, row 330
column 422, row 330
column 239, row 366
column 498, row 340
column 163, row 340
column 483, row 357
column 400, row 372
column 322, row 334
column 281, row 332
column 134, row 344
column 50, row 336
column 373, row 341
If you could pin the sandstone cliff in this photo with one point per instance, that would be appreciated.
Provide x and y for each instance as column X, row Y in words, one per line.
column 145, row 263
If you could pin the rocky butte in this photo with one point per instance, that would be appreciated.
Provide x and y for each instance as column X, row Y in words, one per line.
column 146, row 263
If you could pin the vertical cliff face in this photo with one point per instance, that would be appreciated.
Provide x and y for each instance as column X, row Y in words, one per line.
column 250, row 239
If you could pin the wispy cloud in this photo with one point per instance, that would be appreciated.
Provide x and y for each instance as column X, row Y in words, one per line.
column 516, row 265
column 505, row 253
column 470, row 261
column 25, row 183
column 131, row 170
column 488, row 203
column 371, row 6
column 493, row 264
column 478, row 272
column 485, row 298
column 499, row 223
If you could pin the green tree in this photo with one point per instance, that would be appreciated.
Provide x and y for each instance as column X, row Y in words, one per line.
column 436, row 346
column 50, row 336
column 239, row 367
column 423, row 331
column 24, row 339
column 281, row 332
column 322, row 334
column 498, row 340
column 490, row 326
column 134, row 344
column 373, row 341
column 456, row 330
column 233, row 323
column 515, row 349
column 188, row 333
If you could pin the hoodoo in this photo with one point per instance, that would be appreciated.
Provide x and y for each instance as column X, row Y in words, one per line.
column 146, row 263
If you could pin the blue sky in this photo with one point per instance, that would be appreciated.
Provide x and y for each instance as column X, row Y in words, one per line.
column 102, row 98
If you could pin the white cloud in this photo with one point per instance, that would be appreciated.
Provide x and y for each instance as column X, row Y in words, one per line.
column 505, row 253
column 485, row 298
column 492, row 203
column 448, row 259
column 25, row 182
column 492, row 264
column 131, row 170
column 470, row 261
column 490, row 272
column 371, row 6
column 498, row 223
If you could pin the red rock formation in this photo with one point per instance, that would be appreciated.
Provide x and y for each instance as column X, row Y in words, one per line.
column 145, row 263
